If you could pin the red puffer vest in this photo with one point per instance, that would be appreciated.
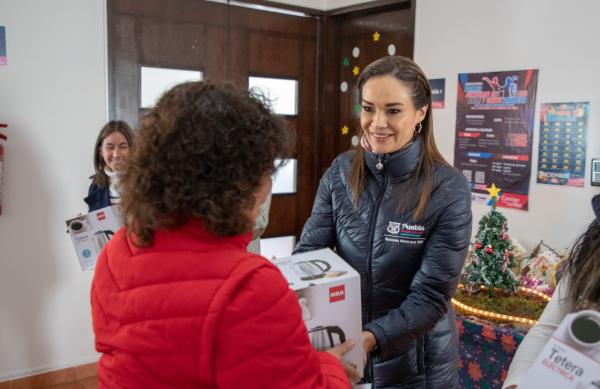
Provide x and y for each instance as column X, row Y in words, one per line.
column 197, row 311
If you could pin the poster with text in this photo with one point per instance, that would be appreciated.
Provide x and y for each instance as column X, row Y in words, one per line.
column 563, row 140
column 438, row 92
column 2, row 46
column 494, row 129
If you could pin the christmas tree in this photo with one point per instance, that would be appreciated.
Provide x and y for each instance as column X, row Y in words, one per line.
column 492, row 254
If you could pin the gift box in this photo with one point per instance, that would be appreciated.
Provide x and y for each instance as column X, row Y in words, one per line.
column 91, row 232
column 328, row 291
column 571, row 358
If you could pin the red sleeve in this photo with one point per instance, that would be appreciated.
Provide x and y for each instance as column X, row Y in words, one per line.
column 261, row 340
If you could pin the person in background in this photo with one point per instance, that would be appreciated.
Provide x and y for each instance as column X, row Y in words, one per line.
column 401, row 216
column 110, row 153
column 177, row 300
column 578, row 288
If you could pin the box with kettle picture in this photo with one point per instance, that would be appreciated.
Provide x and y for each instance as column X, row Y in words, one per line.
column 328, row 291
column 89, row 233
column 571, row 357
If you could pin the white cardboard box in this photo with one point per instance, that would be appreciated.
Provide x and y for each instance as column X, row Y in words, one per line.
column 328, row 291
column 565, row 362
column 89, row 233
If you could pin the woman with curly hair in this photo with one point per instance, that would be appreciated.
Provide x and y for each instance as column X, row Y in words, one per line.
column 177, row 300
column 110, row 153
column 578, row 289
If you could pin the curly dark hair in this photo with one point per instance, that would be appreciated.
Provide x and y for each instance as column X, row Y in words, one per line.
column 100, row 178
column 201, row 153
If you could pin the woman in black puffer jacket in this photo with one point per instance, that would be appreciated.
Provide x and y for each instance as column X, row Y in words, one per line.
column 401, row 216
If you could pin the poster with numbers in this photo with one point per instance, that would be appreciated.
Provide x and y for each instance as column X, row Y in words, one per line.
column 563, row 140
column 494, row 131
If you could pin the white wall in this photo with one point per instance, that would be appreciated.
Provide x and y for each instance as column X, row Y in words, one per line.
column 558, row 38
column 52, row 95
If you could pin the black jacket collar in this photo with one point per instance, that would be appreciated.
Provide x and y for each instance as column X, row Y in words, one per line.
column 397, row 165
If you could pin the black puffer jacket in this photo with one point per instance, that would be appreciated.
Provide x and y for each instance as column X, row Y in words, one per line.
column 409, row 269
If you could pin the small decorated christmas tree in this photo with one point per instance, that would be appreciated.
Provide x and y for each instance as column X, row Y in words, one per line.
column 492, row 255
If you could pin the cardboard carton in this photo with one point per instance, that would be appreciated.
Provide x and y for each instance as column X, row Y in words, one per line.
column 90, row 233
column 328, row 291
column 571, row 358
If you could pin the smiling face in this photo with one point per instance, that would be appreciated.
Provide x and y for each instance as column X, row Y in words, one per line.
column 388, row 116
column 114, row 150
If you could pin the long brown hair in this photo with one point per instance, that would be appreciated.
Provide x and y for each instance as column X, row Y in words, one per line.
column 583, row 268
column 201, row 153
column 410, row 75
column 100, row 178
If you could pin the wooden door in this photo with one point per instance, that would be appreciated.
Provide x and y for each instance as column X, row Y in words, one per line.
column 223, row 42
column 352, row 40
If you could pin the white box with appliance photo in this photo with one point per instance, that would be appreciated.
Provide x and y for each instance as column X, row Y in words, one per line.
column 328, row 291
column 571, row 358
column 90, row 233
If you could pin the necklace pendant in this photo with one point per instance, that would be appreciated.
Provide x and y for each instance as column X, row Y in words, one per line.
column 379, row 166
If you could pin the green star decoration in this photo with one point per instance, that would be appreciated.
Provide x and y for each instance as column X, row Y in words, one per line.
column 357, row 108
column 345, row 62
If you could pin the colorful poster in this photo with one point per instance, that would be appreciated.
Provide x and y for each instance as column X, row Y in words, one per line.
column 438, row 92
column 494, row 130
column 563, row 140
column 2, row 46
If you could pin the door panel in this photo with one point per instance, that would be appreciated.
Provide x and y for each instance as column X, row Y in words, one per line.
column 274, row 55
column 224, row 42
column 157, row 48
column 394, row 27
column 341, row 34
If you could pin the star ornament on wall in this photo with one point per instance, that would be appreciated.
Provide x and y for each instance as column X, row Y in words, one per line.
column 376, row 36
column 345, row 130
column 356, row 70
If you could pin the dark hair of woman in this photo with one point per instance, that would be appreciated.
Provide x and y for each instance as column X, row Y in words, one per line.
column 583, row 268
column 100, row 178
column 201, row 153
column 411, row 75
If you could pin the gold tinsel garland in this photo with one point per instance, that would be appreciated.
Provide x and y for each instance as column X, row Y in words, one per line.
column 499, row 316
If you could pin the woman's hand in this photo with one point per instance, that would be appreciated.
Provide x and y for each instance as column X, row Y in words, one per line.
column 369, row 343
column 338, row 352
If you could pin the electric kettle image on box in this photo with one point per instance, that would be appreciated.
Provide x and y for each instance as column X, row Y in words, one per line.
column 78, row 225
column 101, row 238
column 311, row 270
column 321, row 337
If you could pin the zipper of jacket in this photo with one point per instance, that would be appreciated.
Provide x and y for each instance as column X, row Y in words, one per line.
column 372, row 237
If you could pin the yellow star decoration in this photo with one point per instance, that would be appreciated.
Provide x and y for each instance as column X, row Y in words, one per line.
column 356, row 70
column 493, row 190
column 376, row 36
column 345, row 130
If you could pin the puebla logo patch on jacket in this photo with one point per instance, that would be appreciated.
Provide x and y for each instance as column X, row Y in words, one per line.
column 405, row 233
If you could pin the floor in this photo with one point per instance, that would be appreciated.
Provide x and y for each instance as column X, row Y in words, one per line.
column 78, row 377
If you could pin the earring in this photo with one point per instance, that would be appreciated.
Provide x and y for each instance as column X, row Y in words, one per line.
column 418, row 128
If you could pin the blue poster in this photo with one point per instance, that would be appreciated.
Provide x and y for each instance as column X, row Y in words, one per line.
column 563, row 140
column 2, row 46
column 438, row 92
